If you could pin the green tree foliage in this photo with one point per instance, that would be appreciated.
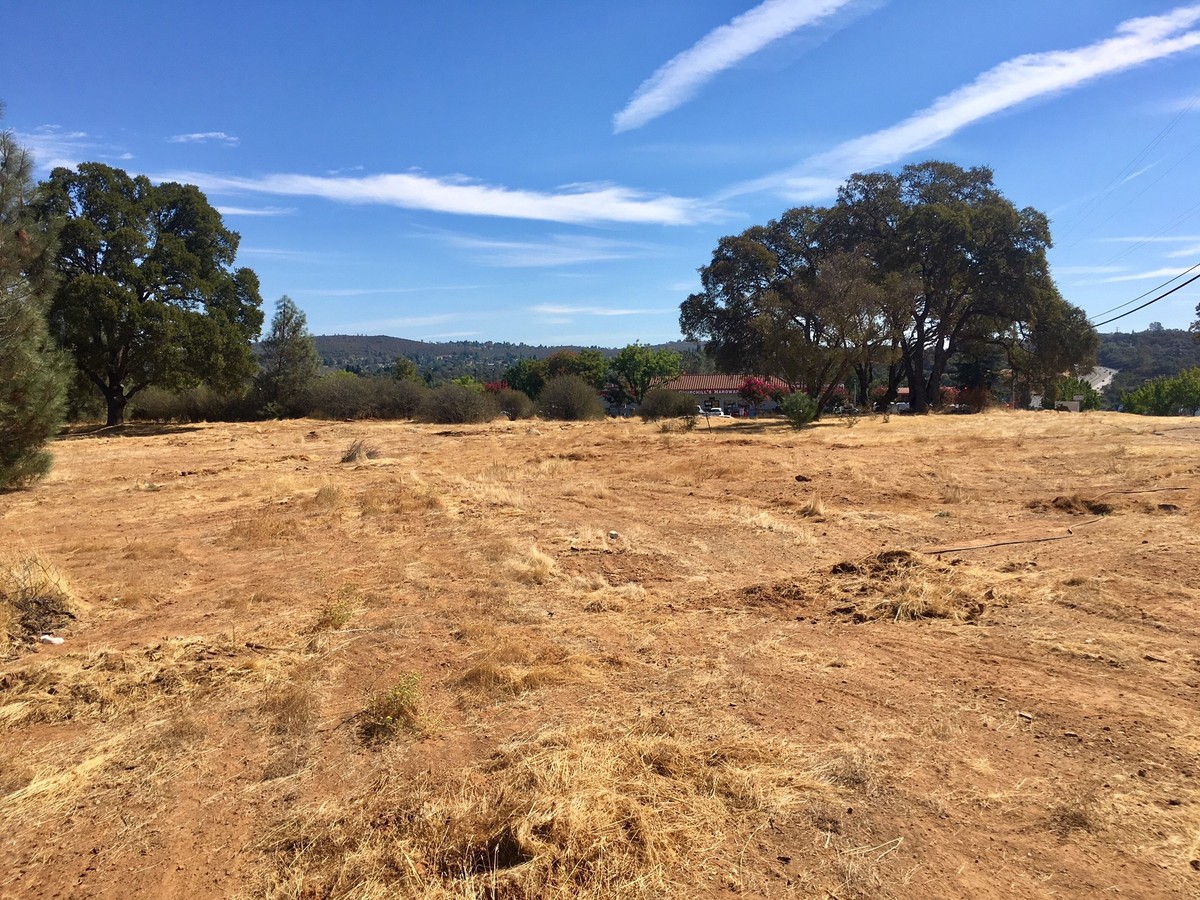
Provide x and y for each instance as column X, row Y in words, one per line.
column 289, row 360
column 799, row 409
column 570, row 399
column 1053, row 338
column 590, row 365
column 405, row 369
column 1141, row 355
column 904, row 271
column 32, row 378
column 787, row 299
column 978, row 264
column 1166, row 396
column 147, row 291
column 636, row 368
column 527, row 376
column 1069, row 387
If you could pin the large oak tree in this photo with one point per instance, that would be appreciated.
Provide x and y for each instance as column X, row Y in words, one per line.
column 786, row 299
column 905, row 269
column 148, row 294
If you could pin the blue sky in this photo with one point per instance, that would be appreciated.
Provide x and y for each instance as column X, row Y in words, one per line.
column 555, row 172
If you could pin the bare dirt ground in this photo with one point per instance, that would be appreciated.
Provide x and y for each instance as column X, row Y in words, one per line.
column 924, row 657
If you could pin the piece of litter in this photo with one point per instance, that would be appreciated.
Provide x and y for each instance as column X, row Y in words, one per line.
column 50, row 639
column 1028, row 717
column 612, row 535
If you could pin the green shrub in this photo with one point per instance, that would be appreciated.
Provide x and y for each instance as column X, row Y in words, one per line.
column 515, row 404
column 338, row 395
column 398, row 399
column 571, row 399
column 198, row 404
column 453, row 404
column 394, row 711
column 799, row 409
column 662, row 403
column 343, row 395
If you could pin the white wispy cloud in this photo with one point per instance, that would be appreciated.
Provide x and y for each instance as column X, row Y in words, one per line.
column 1189, row 243
column 450, row 335
column 678, row 80
column 1190, row 251
column 555, row 250
column 1187, row 104
column 558, row 309
column 368, row 292
column 576, row 203
column 1138, row 174
column 1151, row 239
column 405, row 322
column 205, row 137
column 283, row 253
column 1143, row 276
column 256, row 211
column 1135, row 42
column 1087, row 270
column 52, row 146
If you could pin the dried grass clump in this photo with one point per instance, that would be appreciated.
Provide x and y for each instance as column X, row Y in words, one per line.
column 814, row 509
column 392, row 712
column 403, row 497
column 335, row 614
column 583, row 811
column 533, row 567
column 1073, row 504
column 514, row 669
column 615, row 598
column 1078, row 809
column 35, row 599
column 855, row 769
column 893, row 584
column 358, row 451
column 107, row 683
column 901, row 584
column 264, row 529
column 327, row 497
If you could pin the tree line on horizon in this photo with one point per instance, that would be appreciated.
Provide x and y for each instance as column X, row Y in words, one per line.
column 117, row 291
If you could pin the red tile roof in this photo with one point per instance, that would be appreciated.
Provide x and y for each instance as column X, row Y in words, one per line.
column 715, row 384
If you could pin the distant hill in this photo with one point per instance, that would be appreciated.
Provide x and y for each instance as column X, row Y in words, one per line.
column 1139, row 356
column 368, row 354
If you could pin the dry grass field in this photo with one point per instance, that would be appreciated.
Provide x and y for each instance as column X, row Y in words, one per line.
column 925, row 657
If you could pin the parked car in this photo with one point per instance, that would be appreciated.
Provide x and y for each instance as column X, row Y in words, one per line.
column 715, row 412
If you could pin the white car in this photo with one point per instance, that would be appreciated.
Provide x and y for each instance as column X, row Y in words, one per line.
column 716, row 412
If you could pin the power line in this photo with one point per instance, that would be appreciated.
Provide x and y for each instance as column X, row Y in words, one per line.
column 1150, row 302
column 1128, row 171
column 1149, row 292
column 1187, row 213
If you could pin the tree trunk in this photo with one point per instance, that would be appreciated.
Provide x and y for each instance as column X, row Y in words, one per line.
column 116, row 401
column 914, row 370
column 864, row 374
